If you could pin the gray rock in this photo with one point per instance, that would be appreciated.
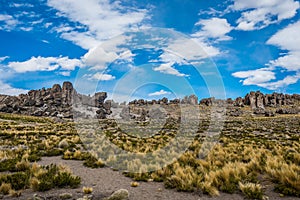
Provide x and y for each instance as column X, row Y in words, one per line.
column 121, row 194
column 63, row 144
column 64, row 196
column 259, row 111
column 269, row 113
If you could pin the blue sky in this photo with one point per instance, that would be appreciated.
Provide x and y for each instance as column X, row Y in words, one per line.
column 149, row 48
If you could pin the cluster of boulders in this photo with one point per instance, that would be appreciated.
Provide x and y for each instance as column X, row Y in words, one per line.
column 54, row 102
column 259, row 102
column 192, row 100
column 145, row 113
column 144, row 110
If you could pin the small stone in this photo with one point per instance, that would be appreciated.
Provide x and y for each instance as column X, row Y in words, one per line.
column 134, row 184
column 281, row 195
column 65, row 196
column 121, row 194
column 63, row 144
column 36, row 197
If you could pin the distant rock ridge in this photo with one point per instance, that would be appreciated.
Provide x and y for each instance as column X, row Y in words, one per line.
column 54, row 102
column 60, row 101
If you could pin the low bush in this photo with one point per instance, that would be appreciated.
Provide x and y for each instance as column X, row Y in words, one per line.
column 251, row 190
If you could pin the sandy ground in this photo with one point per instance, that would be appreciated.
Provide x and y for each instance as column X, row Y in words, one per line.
column 105, row 181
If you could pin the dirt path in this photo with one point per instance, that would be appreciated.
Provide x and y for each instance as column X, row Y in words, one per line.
column 105, row 181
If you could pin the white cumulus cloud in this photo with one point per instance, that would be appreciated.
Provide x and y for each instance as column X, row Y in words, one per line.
column 102, row 19
column 257, row 14
column 101, row 77
column 9, row 90
column 286, row 39
column 216, row 28
column 167, row 68
column 255, row 77
column 159, row 93
column 45, row 64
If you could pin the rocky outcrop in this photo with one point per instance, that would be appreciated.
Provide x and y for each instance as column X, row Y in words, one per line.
column 255, row 100
column 259, row 100
column 192, row 99
column 60, row 101
column 207, row 101
column 260, row 103
column 55, row 102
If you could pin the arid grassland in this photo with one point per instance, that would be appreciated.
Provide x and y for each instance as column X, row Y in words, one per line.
column 252, row 154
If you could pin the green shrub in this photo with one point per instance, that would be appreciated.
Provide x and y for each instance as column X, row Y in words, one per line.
column 53, row 152
column 34, row 157
column 54, row 178
column 63, row 179
column 286, row 190
column 19, row 180
column 93, row 162
column 8, row 165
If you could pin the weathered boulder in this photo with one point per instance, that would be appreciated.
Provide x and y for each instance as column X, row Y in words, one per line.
column 259, row 111
column 239, row 102
column 99, row 98
column 288, row 111
column 67, row 93
column 255, row 100
column 269, row 113
column 121, row 194
column 207, row 101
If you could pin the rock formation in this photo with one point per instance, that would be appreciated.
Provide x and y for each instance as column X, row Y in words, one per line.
column 55, row 102
column 66, row 102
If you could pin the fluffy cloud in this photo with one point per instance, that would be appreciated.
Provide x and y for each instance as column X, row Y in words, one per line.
column 7, row 22
column 8, row 90
column 85, row 40
column 192, row 49
column 101, row 77
column 99, row 57
column 255, row 77
column 258, row 14
column 183, row 51
column 285, row 39
column 45, row 64
column 167, row 68
column 289, row 62
column 3, row 58
column 216, row 28
column 158, row 93
column 101, row 19
column 288, row 80
column 65, row 73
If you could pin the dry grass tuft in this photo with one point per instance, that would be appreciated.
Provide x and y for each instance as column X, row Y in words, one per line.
column 87, row 190
column 251, row 190
column 5, row 188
